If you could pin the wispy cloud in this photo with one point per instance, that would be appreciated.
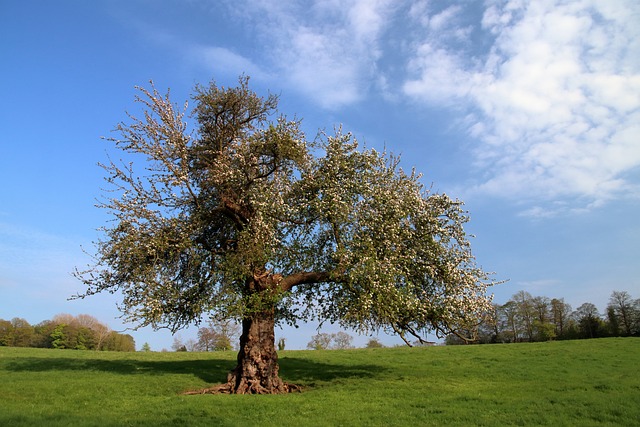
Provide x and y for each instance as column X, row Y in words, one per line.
column 225, row 62
column 549, row 91
column 326, row 50
column 554, row 102
column 221, row 60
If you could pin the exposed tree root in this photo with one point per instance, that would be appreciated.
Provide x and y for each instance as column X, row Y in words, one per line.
column 230, row 388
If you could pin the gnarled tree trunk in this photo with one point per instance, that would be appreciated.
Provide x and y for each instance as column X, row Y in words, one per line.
column 257, row 369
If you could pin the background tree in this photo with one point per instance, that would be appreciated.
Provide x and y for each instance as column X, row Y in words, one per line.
column 178, row 344
column 207, row 339
column 228, row 333
column 543, row 326
column 99, row 330
column 119, row 342
column 511, row 321
column 554, row 319
column 23, row 332
column 64, row 331
column 526, row 313
column 240, row 217
column 6, row 333
column 320, row 341
column 81, row 332
column 624, row 310
column 43, row 331
column 219, row 335
column 490, row 330
column 342, row 340
column 612, row 322
column 58, row 336
column 588, row 320
column 325, row 341
column 636, row 317
column 191, row 344
column 560, row 312
column 374, row 343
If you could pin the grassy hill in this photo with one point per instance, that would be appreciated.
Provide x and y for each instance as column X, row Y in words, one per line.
column 591, row 382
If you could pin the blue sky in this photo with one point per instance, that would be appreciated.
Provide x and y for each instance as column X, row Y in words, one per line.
column 527, row 111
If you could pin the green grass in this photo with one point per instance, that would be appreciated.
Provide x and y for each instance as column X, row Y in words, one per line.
column 573, row 383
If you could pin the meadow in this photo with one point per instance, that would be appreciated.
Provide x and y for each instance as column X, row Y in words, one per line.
column 589, row 382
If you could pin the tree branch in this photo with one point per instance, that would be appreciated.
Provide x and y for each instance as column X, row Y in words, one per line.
column 287, row 283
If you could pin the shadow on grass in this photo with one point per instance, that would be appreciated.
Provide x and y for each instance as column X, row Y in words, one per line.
column 303, row 371
column 294, row 370
column 208, row 370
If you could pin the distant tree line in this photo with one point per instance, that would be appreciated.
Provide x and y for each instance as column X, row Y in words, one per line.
column 64, row 331
column 525, row 318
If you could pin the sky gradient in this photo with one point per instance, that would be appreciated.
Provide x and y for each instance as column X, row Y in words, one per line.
column 529, row 112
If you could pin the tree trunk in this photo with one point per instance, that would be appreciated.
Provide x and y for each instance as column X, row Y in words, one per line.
column 257, row 369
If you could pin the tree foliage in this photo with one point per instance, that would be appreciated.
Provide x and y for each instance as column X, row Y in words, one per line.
column 241, row 213
column 240, row 216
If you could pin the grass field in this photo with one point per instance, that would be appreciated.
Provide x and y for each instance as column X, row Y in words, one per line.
column 573, row 383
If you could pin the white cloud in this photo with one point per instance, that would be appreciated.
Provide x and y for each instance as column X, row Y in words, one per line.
column 326, row 50
column 555, row 102
column 330, row 56
column 443, row 20
column 443, row 79
column 317, row 68
column 367, row 18
column 549, row 89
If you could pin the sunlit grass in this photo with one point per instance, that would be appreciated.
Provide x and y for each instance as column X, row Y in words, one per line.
column 593, row 382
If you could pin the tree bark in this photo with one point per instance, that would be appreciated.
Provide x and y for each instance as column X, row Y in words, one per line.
column 257, row 369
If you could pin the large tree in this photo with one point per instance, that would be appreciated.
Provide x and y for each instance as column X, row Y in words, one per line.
column 239, row 216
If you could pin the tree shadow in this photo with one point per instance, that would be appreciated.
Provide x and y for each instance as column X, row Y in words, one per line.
column 210, row 370
column 307, row 372
column 292, row 369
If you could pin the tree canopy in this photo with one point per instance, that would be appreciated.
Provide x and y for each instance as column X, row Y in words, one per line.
column 241, row 216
